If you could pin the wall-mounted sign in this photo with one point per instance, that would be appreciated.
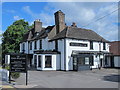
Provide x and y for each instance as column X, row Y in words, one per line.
column 18, row 63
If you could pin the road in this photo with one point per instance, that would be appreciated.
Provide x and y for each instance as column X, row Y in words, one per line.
column 105, row 78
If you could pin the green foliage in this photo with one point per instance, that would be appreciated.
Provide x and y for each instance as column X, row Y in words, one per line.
column 15, row 75
column 13, row 35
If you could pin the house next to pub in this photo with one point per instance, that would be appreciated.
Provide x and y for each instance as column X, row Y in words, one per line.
column 62, row 47
column 114, row 58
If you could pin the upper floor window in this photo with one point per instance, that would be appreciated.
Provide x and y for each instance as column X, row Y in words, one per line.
column 78, row 44
column 30, row 45
column 40, row 44
column 35, row 45
column 91, row 44
column 104, row 46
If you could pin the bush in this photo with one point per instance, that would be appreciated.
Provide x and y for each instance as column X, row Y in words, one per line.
column 15, row 75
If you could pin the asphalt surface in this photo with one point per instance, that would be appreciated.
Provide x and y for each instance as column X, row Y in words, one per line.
column 104, row 78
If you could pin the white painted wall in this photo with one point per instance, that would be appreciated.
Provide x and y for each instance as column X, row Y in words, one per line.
column 69, row 49
column 116, row 61
column 62, row 55
column 66, row 54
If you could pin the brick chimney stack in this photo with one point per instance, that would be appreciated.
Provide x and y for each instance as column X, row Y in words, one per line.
column 37, row 25
column 59, row 21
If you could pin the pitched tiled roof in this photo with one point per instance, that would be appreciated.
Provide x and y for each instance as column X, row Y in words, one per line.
column 78, row 33
column 30, row 35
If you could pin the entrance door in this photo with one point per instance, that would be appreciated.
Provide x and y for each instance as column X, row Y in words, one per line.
column 101, row 62
column 83, row 63
column 35, row 61
column 39, row 61
column 75, row 64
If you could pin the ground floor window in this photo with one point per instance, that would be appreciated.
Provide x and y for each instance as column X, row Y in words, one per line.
column 39, row 61
column 48, row 61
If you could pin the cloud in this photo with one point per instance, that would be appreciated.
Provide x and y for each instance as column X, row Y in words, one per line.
column 43, row 16
column 16, row 18
column 83, row 14
column 86, row 14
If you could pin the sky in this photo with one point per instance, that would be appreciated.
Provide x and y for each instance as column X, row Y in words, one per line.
column 87, row 15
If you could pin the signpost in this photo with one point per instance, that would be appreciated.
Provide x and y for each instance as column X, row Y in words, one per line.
column 18, row 63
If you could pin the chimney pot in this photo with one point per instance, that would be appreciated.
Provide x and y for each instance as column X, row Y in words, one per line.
column 74, row 24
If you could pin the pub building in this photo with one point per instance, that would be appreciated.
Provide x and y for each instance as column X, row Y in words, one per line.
column 62, row 47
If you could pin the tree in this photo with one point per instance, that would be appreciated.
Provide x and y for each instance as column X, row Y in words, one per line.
column 13, row 35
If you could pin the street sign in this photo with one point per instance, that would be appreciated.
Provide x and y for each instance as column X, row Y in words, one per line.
column 18, row 63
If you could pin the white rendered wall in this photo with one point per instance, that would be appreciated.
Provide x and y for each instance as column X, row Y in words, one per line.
column 62, row 55
column 69, row 49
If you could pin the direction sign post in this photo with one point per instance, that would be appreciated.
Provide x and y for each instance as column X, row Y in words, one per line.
column 18, row 63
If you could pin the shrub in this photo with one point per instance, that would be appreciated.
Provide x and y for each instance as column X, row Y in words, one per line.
column 15, row 75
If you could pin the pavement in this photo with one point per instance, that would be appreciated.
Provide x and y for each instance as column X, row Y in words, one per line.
column 4, row 85
column 104, row 78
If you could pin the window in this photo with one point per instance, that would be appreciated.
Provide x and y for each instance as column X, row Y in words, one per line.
column 23, row 47
column 35, row 45
column 86, row 60
column 39, row 61
column 78, row 44
column 104, row 46
column 30, row 45
column 91, row 62
column 40, row 44
column 56, row 45
column 91, row 44
column 48, row 61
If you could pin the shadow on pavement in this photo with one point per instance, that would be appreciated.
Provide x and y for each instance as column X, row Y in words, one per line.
column 112, row 78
